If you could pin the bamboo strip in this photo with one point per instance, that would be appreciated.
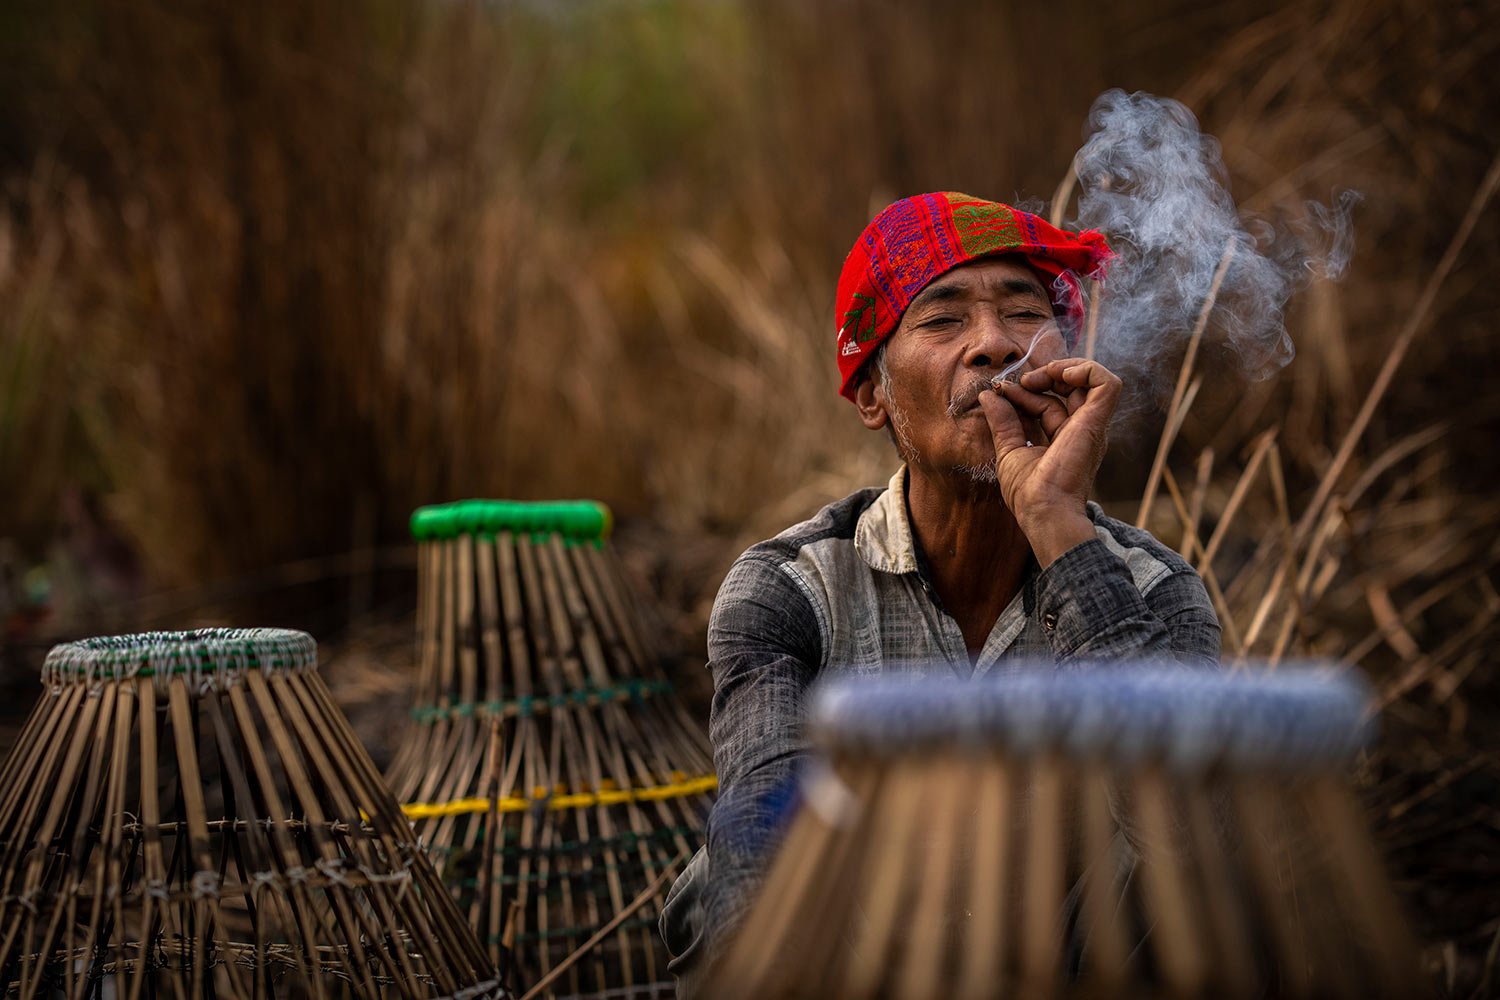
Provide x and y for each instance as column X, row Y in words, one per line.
column 1313, row 513
column 1176, row 409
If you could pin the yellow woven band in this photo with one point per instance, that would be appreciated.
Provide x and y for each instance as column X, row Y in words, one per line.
column 604, row 796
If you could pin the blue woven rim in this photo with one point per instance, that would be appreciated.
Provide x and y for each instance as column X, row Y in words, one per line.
column 1297, row 714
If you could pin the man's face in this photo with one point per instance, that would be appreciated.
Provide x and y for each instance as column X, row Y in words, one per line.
column 958, row 333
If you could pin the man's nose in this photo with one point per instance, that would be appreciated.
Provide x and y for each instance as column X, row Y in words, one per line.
column 992, row 346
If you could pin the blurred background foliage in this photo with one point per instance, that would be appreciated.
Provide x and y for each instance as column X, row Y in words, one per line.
column 272, row 274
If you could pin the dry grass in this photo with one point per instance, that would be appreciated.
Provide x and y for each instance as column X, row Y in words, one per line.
column 273, row 275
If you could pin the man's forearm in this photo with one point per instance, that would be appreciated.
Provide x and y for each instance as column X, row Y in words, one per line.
column 1052, row 536
column 1091, row 609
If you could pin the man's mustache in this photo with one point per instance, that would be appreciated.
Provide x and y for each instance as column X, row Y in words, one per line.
column 968, row 396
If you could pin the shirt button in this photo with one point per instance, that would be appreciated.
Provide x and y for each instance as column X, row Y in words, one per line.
column 1049, row 621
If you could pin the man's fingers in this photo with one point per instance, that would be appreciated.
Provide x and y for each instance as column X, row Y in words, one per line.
column 1049, row 411
column 1076, row 380
column 1077, row 373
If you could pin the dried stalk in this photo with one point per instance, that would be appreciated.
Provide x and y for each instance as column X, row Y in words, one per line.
column 1415, row 608
column 1414, row 325
column 1259, row 449
column 1195, row 508
column 1063, row 195
column 1170, row 433
column 1191, row 543
column 1091, row 326
column 1287, row 572
column 1210, row 579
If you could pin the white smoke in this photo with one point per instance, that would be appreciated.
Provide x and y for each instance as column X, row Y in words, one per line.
column 1157, row 188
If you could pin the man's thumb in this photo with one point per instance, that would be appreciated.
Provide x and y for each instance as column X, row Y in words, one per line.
column 1004, row 421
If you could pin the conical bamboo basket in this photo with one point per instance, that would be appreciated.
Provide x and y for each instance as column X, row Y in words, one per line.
column 187, row 814
column 1106, row 832
column 548, row 761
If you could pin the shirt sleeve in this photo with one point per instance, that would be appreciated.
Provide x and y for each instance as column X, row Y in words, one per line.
column 764, row 648
column 1091, row 610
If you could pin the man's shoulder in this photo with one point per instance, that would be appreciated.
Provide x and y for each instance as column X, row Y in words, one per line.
column 835, row 523
column 1150, row 560
column 776, row 589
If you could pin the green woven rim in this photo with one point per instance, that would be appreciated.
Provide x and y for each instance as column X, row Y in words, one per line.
column 574, row 520
column 528, row 705
column 204, row 651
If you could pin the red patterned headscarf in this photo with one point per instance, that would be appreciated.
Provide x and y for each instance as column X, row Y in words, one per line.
column 916, row 239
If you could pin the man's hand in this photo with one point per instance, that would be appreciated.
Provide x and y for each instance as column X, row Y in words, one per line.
column 1046, row 483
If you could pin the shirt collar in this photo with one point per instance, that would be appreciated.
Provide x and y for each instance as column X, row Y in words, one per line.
column 882, row 537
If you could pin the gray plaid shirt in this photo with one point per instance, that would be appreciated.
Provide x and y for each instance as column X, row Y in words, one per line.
column 845, row 592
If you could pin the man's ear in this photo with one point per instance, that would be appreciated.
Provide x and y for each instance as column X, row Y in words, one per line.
column 869, row 398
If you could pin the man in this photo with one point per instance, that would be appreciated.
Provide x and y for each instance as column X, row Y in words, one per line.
column 982, row 548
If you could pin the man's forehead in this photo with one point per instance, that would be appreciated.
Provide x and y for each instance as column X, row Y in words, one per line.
column 982, row 276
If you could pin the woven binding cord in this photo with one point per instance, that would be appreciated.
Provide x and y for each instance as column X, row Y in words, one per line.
column 529, row 705
column 627, row 840
column 557, row 882
column 341, row 872
column 208, row 658
column 681, row 787
column 488, row 988
column 552, row 933
column 252, row 957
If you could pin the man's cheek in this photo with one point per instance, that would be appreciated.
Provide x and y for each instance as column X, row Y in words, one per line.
column 1050, row 348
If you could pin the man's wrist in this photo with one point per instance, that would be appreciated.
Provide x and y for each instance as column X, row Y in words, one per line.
column 1053, row 532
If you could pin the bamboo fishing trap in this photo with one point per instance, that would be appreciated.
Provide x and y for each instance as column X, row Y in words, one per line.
column 1103, row 832
column 188, row 814
column 549, row 769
